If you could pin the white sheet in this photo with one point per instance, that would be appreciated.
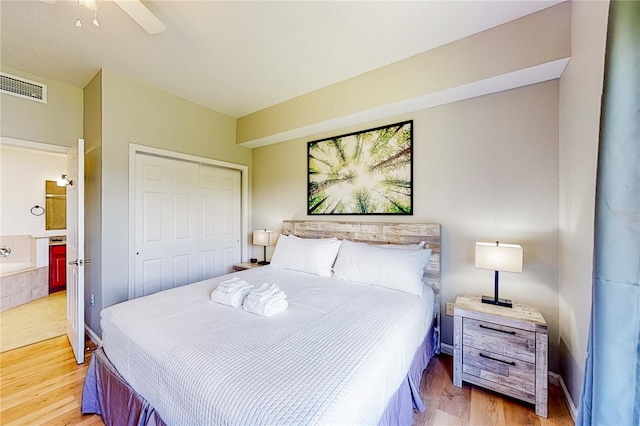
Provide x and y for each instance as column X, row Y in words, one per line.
column 335, row 356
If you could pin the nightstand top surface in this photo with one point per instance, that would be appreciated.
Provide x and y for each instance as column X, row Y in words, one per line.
column 473, row 307
column 247, row 265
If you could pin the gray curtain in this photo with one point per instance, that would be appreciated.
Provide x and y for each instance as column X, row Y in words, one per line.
column 611, row 388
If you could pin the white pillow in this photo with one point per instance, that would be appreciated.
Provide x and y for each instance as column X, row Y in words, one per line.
column 396, row 269
column 418, row 246
column 315, row 256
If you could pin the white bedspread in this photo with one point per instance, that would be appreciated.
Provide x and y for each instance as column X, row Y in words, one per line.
column 335, row 356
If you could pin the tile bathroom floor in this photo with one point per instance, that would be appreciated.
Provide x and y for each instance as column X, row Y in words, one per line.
column 33, row 322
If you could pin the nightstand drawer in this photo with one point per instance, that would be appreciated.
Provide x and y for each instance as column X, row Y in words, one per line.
column 500, row 369
column 499, row 339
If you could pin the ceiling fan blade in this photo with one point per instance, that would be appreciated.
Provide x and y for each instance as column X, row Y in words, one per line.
column 143, row 16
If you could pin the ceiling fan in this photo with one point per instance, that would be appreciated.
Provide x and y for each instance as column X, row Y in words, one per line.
column 134, row 8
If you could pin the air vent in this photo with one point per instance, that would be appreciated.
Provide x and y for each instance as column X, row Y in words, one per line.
column 23, row 88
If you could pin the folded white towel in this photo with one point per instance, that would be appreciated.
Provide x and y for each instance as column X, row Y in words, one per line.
column 271, row 306
column 233, row 297
column 231, row 284
column 264, row 292
column 266, row 300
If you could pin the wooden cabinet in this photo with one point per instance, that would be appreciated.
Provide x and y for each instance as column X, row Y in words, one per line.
column 57, row 268
column 502, row 349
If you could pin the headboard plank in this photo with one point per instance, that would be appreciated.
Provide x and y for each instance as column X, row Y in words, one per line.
column 379, row 233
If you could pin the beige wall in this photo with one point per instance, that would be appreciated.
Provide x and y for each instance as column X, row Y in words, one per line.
column 93, row 197
column 485, row 168
column 532, row 40
column 136, row 113
column 58, row 122
column 580, row 91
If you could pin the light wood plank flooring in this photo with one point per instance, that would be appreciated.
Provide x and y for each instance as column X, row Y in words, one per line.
column 42, row 385
column 38, row 320
column 472, row 405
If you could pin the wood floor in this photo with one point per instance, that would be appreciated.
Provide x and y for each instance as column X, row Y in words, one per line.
column 41, row 384
column 472, row 405
column 38, row 320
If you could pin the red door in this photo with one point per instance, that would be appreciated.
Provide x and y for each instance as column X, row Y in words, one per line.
column 57, row 268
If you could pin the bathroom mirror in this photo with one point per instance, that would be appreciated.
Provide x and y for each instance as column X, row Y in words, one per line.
column 55, row 205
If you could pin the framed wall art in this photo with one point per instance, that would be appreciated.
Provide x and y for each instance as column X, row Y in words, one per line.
column 368, row 172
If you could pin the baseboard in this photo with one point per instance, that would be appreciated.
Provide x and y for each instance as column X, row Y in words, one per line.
column 93, row 336
column 567, row 397
column 446, row 349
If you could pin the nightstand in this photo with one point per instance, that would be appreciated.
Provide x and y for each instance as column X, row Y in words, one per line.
column 502, row 349
column 245, row 265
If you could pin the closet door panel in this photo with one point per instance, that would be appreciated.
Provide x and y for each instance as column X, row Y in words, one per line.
column 165, row 225
column 220, row 232
column 187, row 222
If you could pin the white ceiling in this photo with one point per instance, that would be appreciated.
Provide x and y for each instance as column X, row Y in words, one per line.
column 238, row 57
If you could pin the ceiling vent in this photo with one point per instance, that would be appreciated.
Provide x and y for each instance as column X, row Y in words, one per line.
column 23, row 88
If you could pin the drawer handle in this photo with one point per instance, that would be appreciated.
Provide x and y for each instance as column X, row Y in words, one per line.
column 497, row 329
column 499, row 360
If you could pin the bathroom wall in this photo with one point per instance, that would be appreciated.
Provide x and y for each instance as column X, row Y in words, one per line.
column 21, row 248
column 23, row 173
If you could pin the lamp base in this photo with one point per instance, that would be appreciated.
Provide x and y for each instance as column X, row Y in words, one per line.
column 263, row 262
column 501, row 302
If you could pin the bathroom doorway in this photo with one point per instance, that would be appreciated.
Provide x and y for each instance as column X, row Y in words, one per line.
column 29, row 312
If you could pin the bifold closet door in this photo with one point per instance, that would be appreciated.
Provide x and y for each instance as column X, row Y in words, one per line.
column 220, row 230
column 187, row 223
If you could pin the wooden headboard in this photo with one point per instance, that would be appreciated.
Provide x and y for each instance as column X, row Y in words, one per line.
column 381, row 233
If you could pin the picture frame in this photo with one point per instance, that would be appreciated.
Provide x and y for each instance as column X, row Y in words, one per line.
column 369, row 172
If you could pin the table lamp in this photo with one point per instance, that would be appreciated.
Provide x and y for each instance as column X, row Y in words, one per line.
column 265, row 238
column 498, row 257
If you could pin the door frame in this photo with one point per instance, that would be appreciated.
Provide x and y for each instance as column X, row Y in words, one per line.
column 57, row 149
column 135, row 149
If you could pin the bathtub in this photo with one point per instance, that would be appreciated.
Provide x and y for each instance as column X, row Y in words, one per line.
column 24, row 274
column 11, row 268
column 22, row 282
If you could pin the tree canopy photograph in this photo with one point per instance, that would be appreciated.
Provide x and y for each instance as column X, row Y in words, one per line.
column 368, row 172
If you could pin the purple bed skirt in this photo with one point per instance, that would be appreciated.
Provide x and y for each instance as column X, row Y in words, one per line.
column 106, row 392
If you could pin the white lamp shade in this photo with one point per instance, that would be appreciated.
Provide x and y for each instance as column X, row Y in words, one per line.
column 501, row 257
column 262, row 237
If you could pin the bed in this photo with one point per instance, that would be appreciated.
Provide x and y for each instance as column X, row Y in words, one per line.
column 343, row 352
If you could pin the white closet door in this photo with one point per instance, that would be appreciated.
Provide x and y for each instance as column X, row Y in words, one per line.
column 220, row 236
column 166, row 224
column 187, row 223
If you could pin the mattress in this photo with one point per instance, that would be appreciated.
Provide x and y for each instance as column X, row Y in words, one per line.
column 335, row 356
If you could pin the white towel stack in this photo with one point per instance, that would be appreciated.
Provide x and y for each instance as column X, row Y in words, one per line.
column 266, row 301
column 231, row 292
